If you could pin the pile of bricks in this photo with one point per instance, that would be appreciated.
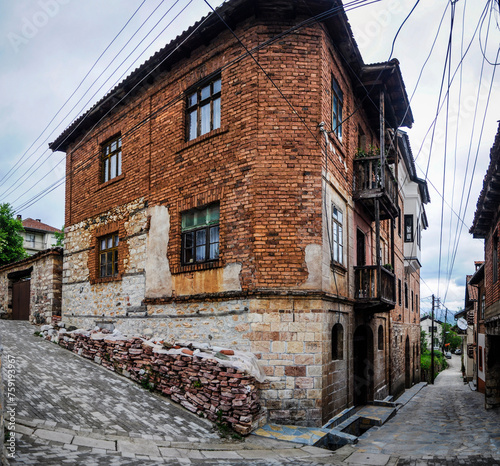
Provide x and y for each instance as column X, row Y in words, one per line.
column 202, row 385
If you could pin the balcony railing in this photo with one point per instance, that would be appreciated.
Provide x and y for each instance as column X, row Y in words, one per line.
column 374, row 286
column 368, row 185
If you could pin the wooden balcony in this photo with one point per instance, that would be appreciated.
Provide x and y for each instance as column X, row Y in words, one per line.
column 374, row 288
column 369, row 185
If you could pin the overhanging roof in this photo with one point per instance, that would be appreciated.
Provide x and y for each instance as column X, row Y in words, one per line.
column 489, row 198
column 328, row 12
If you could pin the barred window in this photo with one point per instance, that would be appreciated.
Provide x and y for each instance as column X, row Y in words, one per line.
column 203, row 109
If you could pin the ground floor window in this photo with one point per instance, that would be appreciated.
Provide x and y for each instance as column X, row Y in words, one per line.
column 200, row 234
column 108, row 255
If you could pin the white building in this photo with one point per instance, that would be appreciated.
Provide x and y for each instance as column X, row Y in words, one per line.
column 37, row 236
column 426, row 326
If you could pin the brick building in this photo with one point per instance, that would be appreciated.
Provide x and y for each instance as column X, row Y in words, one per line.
column 486, row 225
column 221, row 194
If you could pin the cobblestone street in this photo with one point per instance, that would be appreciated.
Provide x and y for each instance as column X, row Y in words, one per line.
column 445, row 423
column 71, row 411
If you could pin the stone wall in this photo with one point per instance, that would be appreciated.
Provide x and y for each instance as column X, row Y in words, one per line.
column 207, row 382
column 44, row 271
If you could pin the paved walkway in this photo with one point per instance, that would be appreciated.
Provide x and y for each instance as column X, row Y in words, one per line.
column 444, row 423
column 71, row 411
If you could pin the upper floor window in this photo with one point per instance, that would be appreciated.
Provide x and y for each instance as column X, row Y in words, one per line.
column 494, row 259
column 483, row 305
column 200, row 235
column 408, row 228
column 337, row 104
column 203, row 109
column 111, row 159
column 337, row 235
column 108, row 255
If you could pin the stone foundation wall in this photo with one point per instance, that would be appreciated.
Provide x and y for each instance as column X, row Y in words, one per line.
column 203, row 385
column 45, row 273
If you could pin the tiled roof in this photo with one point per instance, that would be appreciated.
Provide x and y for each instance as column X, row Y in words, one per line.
column 30, row 224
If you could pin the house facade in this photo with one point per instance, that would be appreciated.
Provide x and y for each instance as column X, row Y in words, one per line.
column 38, row 236
column 486, row 225
column 426, row 325
column 31, row 289
column 255, row 197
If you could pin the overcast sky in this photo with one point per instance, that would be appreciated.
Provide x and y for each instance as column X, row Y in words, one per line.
column 50, row 53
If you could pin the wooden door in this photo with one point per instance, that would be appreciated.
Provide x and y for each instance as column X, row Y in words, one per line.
column 21, row 300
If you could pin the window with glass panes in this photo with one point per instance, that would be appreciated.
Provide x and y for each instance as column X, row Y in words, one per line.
column 337, row 235
column 108, row 255
column 337, row 103
column 203, row 109
column 112, row 159
column 200, row 235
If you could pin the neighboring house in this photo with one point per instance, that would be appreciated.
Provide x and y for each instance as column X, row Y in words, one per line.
column 31, row 289
column 426, row 326
column 225, row 211
column 37, row 236
column 486, row 225
column 473, row 313
column 476, row 281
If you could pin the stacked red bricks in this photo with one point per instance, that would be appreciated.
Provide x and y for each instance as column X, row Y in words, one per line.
column 201, row 385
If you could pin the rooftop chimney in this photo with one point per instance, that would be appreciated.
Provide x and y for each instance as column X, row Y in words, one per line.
column 38, row 220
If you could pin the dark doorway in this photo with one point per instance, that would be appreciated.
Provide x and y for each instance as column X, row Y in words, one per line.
column 363, row 365
column 407, row 363
column 21, row 300
column 360, row 248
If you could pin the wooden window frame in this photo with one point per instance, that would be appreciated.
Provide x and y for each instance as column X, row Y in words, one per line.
column 107, row 155
column 103, row 261
column 408, row 233
column 196, row 102
column 494, row 259
column 191, row 239
column 337, row 235
column 337, row 108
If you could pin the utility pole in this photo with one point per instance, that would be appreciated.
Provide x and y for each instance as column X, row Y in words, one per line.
column 432, row 341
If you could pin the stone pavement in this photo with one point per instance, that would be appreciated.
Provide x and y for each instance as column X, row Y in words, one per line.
column 69, row 410
column 444, row 423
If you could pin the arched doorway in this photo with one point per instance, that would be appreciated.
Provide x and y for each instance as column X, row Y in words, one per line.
column 407, row 363
column 363, row 365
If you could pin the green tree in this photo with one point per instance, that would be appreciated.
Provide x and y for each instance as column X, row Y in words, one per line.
column 423, row 341
column 450, row 337
column 59, row 238
column 11, row 242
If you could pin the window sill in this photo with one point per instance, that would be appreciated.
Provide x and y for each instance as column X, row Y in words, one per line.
column 117, row 278
column 203, row 138
column 110, row 182
column 337, row 267
column 197, row 267
column 334, row 139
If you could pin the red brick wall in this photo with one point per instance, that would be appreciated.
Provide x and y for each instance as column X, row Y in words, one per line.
column 263, row 164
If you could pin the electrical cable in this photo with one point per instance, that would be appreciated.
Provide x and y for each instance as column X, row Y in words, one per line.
column 69, row 98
